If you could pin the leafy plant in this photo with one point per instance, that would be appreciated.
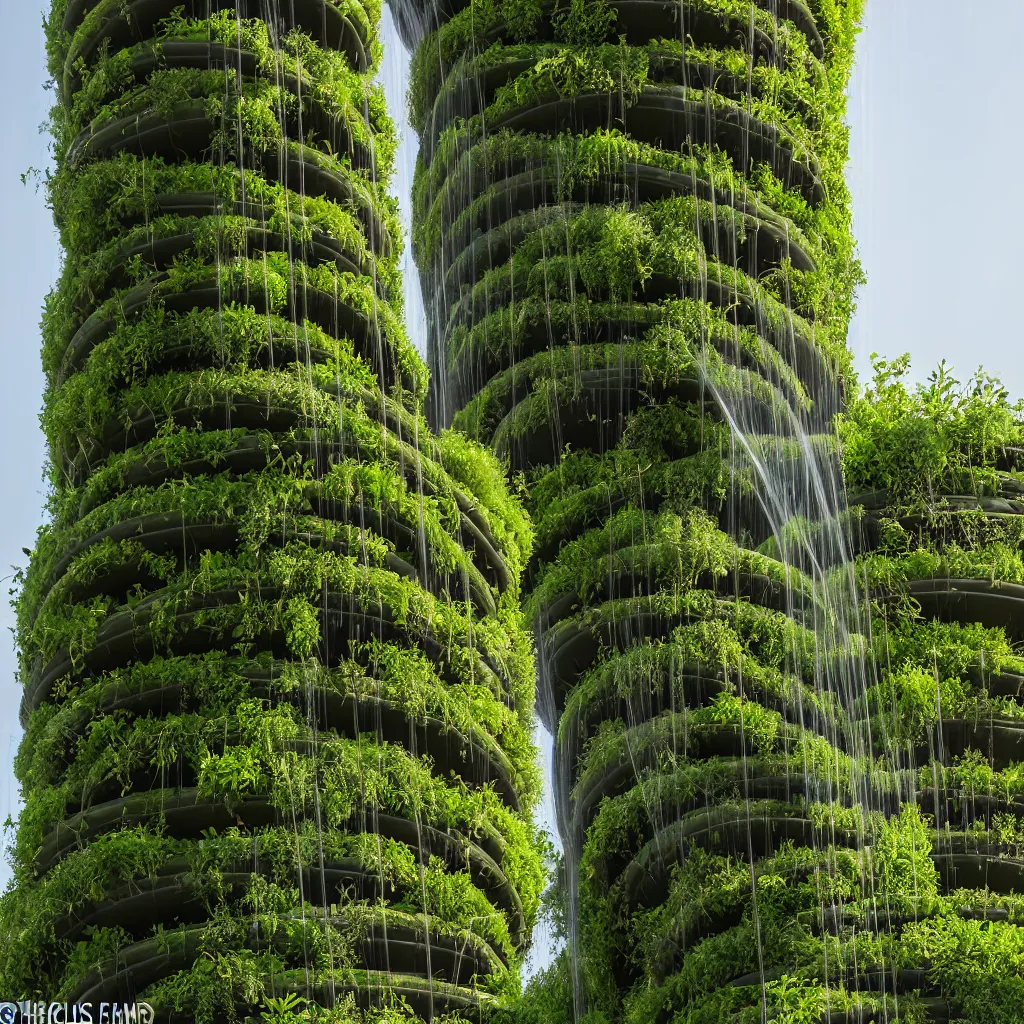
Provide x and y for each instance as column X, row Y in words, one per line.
column 935, row 438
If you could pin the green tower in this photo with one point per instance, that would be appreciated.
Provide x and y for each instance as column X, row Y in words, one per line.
column 624, row 210
column 934, row 476
column 278, row 694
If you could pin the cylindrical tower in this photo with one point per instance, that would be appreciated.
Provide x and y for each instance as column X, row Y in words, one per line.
column 633, row 233
column 278, row 694
column 934, row 476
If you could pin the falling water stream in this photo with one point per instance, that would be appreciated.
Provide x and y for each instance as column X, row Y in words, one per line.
column 791, row 452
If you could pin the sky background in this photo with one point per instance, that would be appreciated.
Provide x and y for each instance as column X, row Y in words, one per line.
column 936, row 154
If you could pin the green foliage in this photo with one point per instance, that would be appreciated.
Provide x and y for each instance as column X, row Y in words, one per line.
column 584, row 22
column 675, row 552
column 547, row 998
column 937, row 438
column 104, row 200
column 930, row 457
column 521, row 16
column 907, row 879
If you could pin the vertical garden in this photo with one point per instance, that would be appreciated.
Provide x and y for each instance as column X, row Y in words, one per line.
column 283, row 633
column 784, row 728
column 277, row 690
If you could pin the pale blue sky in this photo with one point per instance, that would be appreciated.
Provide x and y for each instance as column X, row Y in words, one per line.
column 29, row 263
column 936, row 165
column 936, row 154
